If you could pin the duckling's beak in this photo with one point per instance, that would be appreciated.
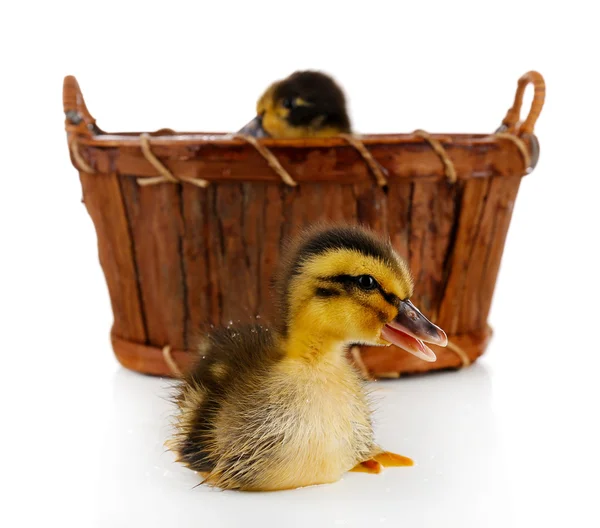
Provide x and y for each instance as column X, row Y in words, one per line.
column 254, row 128
column 410, row 330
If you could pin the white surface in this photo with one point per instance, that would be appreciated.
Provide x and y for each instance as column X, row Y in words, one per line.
column 512, row 441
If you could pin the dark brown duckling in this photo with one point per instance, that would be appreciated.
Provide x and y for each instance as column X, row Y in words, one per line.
column 305, row 104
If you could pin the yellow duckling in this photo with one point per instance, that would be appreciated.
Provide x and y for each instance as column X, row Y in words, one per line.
column 281, row 407
column 305, row 104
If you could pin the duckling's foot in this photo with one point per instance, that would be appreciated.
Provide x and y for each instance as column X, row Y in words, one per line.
column 368, row 466
column 387, row 459
column 378, row 462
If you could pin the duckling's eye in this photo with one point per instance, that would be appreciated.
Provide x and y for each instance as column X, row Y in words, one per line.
column 366, row 282
column 288, row 103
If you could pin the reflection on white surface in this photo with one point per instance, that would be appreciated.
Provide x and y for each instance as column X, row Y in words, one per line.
column 443, row 421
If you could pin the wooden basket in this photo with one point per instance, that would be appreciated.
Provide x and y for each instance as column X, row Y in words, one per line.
column 190, row 225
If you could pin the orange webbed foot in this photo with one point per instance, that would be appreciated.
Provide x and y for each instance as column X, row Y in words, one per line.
column 368, row 466
column 378, row 462
column 387, row 459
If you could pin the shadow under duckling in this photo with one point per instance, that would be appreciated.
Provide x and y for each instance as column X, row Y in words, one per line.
column 273, row 408
column 305, row 104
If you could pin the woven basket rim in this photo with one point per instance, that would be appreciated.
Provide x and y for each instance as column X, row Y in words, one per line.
column 222, row 157
column 132, row 139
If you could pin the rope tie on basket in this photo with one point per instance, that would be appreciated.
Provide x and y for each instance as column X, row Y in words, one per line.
column 165, row 174
column 441, row 152
column 466, row 361
column 168, row 357
column 362, row 368
column 269, row 158
column 378, row 171
column 81, row 163
column 520, row 145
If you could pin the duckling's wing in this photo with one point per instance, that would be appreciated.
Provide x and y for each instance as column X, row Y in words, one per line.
column 225, row 360
column 228, row 354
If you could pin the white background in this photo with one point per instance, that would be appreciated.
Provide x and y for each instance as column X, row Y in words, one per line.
column 512, row 441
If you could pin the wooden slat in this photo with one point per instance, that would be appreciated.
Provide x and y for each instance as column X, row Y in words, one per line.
column 485, row 258
column 298, row 210
column 195, row 211
column 333, row 206
column 421, row 249
column 398, row 217
column 271, row 246
column 468, row 312
column 471, row 207
column 313, row 204
column 253, row 233
column 104, row 203
column 155, row 218
column 235, row 277
column 502, row 216
column 432, row 217
column 446, row 222
column 349, row 206
column 214, row 257
column 371, row 207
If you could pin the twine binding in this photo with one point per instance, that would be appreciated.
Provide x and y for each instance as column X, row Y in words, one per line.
column 270, row 159
column 173, row 367
column 466, row 361
column 165, row 174
column 378, row 171
column 82, row 165
column 441, row 152
column 356, row 356
column 521, row 145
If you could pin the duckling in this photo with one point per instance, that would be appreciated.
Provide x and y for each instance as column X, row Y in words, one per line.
column 272, row 408
column 305, row 104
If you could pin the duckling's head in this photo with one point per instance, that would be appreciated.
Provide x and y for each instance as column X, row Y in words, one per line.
column 305, row 104
column 344, row 285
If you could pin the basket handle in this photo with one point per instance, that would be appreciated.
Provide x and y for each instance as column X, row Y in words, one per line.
column 511, row 122
column 77, row 116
